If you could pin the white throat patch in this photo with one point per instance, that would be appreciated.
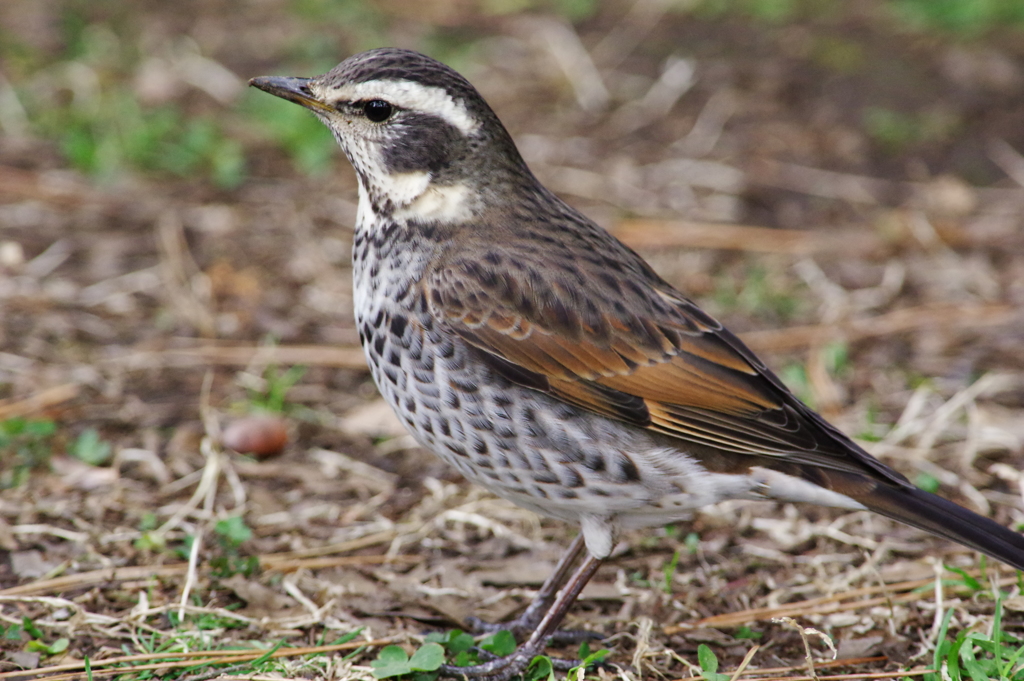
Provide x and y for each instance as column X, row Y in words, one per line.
column 407, row 95
column 415, row 197
column 404, row 188
column 448, row 203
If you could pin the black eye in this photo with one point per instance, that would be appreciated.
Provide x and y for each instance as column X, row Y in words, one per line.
column 377, row 110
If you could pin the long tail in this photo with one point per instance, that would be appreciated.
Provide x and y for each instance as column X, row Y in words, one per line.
column 893, row 496
column 932, row 513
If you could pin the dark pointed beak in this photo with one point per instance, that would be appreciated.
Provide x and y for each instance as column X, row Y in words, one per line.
column 293, row 89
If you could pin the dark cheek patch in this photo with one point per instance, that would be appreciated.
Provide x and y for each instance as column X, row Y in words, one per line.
column 422, row 143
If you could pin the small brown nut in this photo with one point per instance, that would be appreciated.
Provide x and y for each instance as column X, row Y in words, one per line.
column 262, row 436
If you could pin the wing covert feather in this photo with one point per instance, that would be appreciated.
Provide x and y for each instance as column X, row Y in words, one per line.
column 634, row 349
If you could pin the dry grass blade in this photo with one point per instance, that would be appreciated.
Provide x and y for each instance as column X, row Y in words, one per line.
column 897, row 321
column 24, row 184
column 805, row 636
column 652, row 234
column 900, row 592
column 39, row 402
column 827, row 184
column 181, row 275
column 783, row 673
column 773, row 340
column 282, row 563
column 207, row 657
column 94, row 577
column 860, row 676
column 746, row 661
column 1007, row 158
column 340, row 547
column 337, row 561
column 825, row 664
column 341, row 357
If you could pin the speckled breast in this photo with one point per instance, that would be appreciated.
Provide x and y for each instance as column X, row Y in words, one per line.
column 523, row 445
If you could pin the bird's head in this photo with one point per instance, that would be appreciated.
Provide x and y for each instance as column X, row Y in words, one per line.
column 422, row 140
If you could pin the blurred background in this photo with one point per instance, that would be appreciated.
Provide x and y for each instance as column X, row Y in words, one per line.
column 840, row 182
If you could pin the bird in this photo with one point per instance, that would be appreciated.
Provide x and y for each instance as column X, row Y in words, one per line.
column 545, row 360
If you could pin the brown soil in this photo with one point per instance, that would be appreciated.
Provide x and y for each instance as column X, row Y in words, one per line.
column 159, row 310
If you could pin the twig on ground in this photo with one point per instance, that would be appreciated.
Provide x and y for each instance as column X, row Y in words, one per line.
column 805, row 634
column 182, row 659
column 900, row 592
column 42, row 401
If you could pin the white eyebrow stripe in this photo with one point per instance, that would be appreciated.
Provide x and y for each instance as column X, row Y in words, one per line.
column 413, row 96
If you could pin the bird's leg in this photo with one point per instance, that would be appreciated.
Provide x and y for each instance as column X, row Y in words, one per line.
column 504, row 668
column 531, row 617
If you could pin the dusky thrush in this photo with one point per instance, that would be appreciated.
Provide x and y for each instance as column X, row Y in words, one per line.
column 546, row 361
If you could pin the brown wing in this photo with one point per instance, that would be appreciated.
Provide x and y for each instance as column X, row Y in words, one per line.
column 605, row 333
column 608, row 335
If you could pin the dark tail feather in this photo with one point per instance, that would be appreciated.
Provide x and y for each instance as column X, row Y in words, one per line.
column 932, row 513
